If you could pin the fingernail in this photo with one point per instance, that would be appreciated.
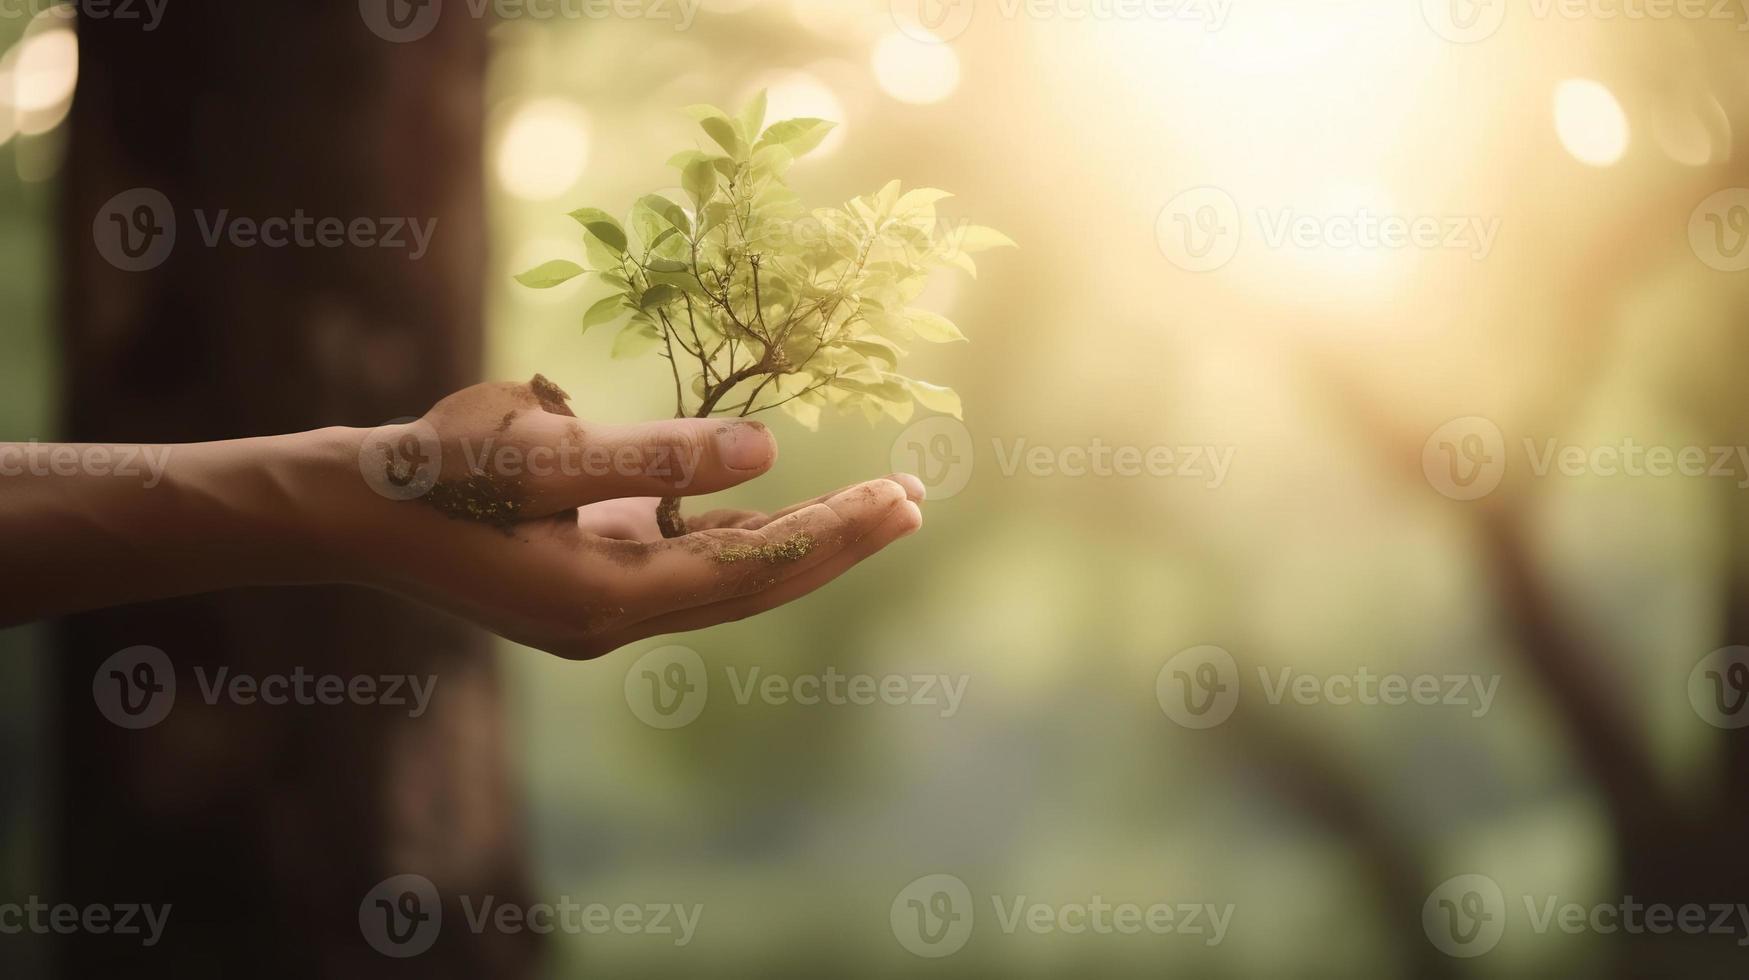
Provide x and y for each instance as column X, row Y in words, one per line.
column 915, row 522
column 914, row 487
column 745, row 445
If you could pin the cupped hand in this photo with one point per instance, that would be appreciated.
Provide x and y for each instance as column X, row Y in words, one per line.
column 502, row 507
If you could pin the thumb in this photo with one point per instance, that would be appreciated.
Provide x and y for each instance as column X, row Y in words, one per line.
column 677, row 457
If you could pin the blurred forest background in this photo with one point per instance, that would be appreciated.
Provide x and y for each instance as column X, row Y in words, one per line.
column 1328, row 548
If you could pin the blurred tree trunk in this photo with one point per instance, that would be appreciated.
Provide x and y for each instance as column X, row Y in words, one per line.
column 266, row 826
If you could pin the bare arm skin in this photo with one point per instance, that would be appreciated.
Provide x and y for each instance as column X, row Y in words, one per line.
column 497, row 506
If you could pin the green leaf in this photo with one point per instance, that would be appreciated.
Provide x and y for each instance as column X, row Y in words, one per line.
column 921, row 197
column 977, row 238
column 657, row 295
column 700, row 181
column 603, row 226
column 887, row 197
column 670, row 212
column 637, row 337
column 723, row 131
column 550, row 274
column 936, row 398
column 682, row 281
column 681, row 160
column 704, row 110
column 753, row 115
column 601, row 257
column 808, row 415
column 771, row 161
column 797, row 135
column 877, row 349
column 933, row 327
column 604, row 311
column 961, row 260
column 665, row 265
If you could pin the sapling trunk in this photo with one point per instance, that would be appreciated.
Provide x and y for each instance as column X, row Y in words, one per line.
column 668, row 517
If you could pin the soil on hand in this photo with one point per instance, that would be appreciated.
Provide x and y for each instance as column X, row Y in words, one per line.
column 793, row 548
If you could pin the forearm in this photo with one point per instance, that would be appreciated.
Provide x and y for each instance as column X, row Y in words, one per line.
column 88, row 526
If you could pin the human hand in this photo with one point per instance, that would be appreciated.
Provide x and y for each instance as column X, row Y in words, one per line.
column 501, row 507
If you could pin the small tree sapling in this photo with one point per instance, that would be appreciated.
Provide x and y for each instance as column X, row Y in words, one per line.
column 756, row 301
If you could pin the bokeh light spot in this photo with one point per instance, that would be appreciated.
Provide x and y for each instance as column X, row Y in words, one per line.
column 1590, row 122
column 543, row 149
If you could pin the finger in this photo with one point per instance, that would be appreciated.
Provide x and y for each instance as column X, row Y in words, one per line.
column 626, row 519
column 746, row 519
column 914, row 491
column 677, row 457
column 715, row 565
column 901, row 522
